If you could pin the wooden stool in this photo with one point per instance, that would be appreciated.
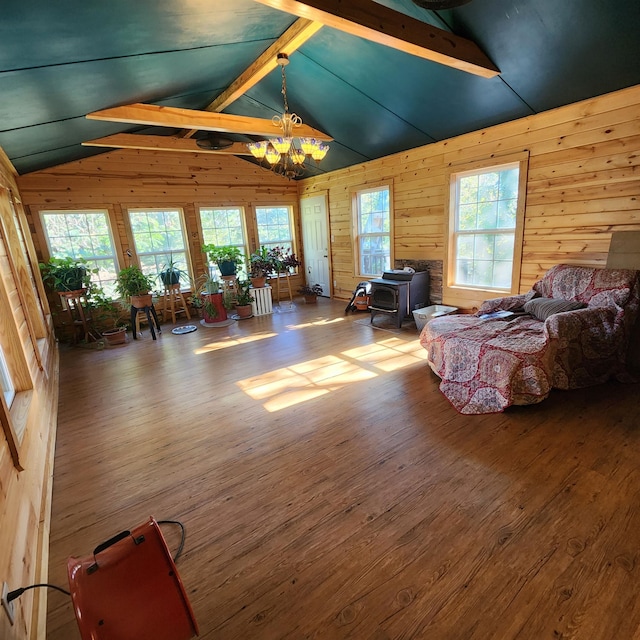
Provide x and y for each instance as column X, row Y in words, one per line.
column 286, row 275
column 230, row 288
column 76, row 302
column 173, row 303
column 144, row 314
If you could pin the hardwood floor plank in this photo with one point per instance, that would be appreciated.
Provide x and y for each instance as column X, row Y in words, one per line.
column 330, row 491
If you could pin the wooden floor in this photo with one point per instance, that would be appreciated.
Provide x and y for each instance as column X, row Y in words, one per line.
column 330, row 491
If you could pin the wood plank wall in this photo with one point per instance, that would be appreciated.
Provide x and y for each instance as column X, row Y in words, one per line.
column 583, row 184
column 25, row 496
column 123, row 179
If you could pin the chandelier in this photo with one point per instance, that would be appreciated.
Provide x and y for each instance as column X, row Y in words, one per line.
column 285, row 154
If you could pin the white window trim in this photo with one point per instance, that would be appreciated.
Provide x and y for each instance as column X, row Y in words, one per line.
column 183, row 228
column 243, row 218
column 115, row 255
column 355, row 221
column 292, row 226
column 467, row 296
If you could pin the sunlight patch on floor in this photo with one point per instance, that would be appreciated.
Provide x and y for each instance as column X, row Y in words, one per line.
column 232, row 342
column 317, row 323
column 292, row 385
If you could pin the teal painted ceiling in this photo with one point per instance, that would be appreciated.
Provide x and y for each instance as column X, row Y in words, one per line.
column 61, row 60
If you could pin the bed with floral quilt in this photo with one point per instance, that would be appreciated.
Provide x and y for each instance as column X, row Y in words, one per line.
column 570, row 330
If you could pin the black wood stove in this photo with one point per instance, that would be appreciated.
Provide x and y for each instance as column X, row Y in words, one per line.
column 398, row 293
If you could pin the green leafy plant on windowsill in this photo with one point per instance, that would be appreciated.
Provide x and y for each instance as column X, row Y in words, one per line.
column 66, row 274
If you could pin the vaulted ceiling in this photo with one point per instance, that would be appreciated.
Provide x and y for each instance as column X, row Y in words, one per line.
column 63, row 60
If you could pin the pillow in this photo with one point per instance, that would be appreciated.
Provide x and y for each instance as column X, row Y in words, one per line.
column 542, row 308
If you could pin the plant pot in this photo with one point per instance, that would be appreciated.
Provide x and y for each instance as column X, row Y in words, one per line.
column 227, row 267
column 259, row 283
column 142, row 301
column 244, row 310
column 310, row 299
column 213, row 308
column 115, row 336
column 169, row 278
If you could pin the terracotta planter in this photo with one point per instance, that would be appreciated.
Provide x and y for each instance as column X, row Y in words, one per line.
column 244, row 311
column 259, row 283
column 310, row 299
column 142, row 301
column 115, row 336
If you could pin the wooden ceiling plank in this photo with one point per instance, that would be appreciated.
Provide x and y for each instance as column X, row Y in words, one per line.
column 155, row 115
column 162, row 143
column 375, row 22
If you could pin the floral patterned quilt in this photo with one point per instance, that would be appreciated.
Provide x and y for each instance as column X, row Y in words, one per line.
column 486, row 365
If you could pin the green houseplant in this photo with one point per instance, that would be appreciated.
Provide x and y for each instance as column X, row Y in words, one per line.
column 171, row 273
column 227, row 257
column 66, row 274
column 109, row 316
column 244, row 299
column 132, row 284
column 261, row 264
column 310, row 292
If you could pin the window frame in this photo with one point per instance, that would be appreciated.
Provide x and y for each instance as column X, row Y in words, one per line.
column 117, row 258
column 356, row 192
column 183, row 228
column 243, row 223
column 292, row 228
column 471, row 295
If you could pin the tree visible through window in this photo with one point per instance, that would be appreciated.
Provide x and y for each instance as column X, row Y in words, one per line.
column 373, row 230
column 224, row 226
column 274, row 227
column 486, row 205
column 83, row 234
column 159, row 239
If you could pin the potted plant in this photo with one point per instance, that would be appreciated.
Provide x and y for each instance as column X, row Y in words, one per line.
column 66, row 274
column 244, row 299
column 261, row 264
column 132, row 284
column 171, row 273
column 227, row 257
column 108, row 316
column 310, row 293
column 210, row 296
column 285, row 261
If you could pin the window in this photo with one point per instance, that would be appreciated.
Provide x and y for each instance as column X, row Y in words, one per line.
column 83, row 234
column 224, row 226
column 275, row 228
column 6, row 383
column 373, row 230
column 159, row 238
column 485, row 227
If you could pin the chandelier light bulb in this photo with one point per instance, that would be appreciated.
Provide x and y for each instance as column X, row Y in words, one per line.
column 281, row 145
column 280, row 152
column 272, row 155
column 320, row 152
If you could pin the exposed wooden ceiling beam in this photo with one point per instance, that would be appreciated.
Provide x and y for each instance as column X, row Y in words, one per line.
column 154, row 115
column 293, row 38
column 162, row 143
column 375, row 22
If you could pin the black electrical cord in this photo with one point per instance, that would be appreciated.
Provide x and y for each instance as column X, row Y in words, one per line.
column 16, row 593
column 181, row 547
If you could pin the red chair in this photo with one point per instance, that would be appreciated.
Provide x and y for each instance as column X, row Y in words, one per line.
column 129, row 589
